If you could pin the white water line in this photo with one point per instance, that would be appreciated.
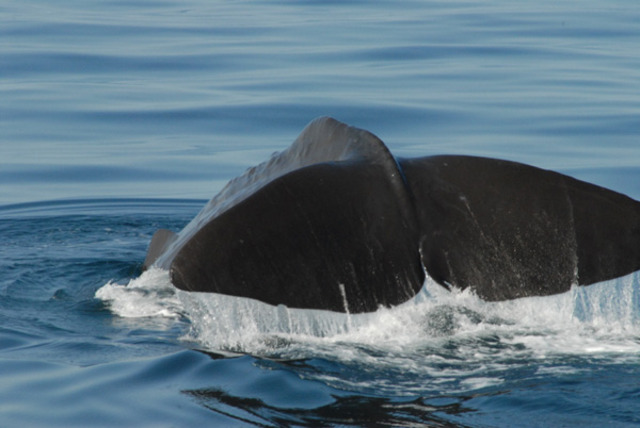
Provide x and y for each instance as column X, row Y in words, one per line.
column 345, row 303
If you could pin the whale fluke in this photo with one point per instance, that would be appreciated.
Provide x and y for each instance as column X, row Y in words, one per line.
column 509, row 230
column 335, row 222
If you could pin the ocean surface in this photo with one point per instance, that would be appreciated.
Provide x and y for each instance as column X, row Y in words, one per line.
column 118, row 118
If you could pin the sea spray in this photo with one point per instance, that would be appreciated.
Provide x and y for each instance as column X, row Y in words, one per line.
column 438, row 338
column 149, row 295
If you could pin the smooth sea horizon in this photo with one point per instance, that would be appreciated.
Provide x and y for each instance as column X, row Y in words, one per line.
column 120, row 118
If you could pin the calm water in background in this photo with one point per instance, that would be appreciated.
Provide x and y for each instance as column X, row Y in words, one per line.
column 117, row 118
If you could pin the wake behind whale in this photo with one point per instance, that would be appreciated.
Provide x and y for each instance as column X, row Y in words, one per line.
column 336, row 222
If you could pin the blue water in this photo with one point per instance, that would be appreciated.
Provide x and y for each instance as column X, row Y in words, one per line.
column 118, row 118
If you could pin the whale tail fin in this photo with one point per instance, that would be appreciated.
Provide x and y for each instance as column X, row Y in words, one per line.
column 326, row 224
column 336, row 236
column 508, row 230
column 161, row 239
column 335, row 222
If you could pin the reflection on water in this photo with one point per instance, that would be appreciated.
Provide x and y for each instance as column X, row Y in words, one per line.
column 349, row 411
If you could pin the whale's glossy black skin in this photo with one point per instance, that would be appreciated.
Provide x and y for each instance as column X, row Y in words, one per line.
column 336, row 222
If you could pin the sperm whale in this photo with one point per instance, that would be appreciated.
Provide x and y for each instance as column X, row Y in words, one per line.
column 336, row 222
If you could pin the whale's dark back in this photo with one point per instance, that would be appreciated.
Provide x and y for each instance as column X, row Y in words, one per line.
column 335, row 222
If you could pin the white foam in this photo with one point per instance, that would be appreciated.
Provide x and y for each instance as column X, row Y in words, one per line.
column 600, row 311
column 149, row 295
column 444, row 337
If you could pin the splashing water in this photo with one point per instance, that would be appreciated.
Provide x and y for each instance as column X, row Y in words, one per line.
column 438, row 338
column 150, row 295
